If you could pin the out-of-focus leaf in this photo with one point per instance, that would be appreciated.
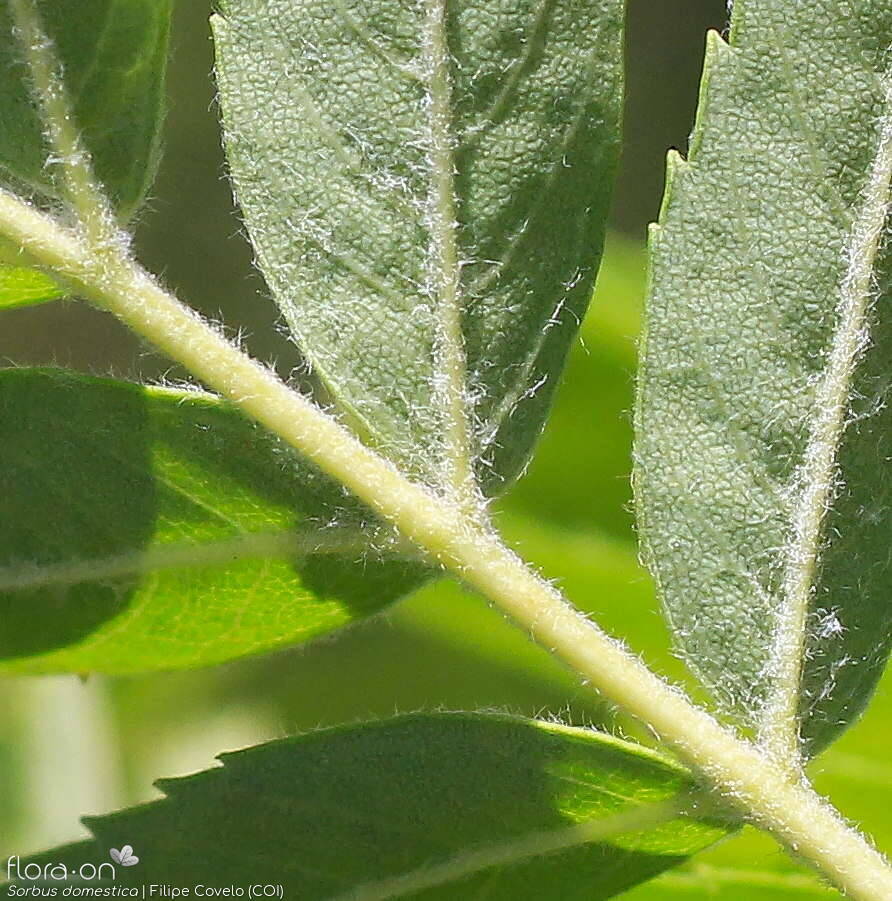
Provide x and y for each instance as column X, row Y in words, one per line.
column 748, row 866
column 418, row 177
column 580, row 476
column 23, row 287
column 151, row 528
column 425, row 806
column 764, row 427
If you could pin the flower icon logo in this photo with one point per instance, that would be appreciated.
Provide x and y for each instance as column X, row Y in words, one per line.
column 125, row 857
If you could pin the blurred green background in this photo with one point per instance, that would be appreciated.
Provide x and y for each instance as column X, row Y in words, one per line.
column 69, row 747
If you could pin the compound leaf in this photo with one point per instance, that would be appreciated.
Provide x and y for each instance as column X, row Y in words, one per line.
column 426, row 186
column 149, row 528
column 764, row 429
column 421, row 806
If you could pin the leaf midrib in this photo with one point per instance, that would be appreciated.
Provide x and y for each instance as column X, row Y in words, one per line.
column 184, row 554
column 524, row 847
column 450, row 364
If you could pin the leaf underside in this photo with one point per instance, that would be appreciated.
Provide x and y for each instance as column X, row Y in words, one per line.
column 326, row 812
column 749, row 263
column 329, row 113
column 145, row 528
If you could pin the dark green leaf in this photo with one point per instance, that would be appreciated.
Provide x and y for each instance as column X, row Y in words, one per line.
column 385, row 154
column 764, row 428
column 424, row 806
column 149, row 528
column 113, row 54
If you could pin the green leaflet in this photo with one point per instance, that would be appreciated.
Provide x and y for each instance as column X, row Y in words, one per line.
column 745, row 868
column 148, row 528
column 23, row 287
column 422, row 806
column 113, row 54
column 706, row 883
column 764, row 431
column 425, row 182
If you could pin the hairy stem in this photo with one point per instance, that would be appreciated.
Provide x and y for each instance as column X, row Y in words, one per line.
column 747, row 777
column 780, row 727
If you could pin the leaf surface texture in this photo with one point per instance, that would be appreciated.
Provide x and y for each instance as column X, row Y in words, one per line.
column 426, row 185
